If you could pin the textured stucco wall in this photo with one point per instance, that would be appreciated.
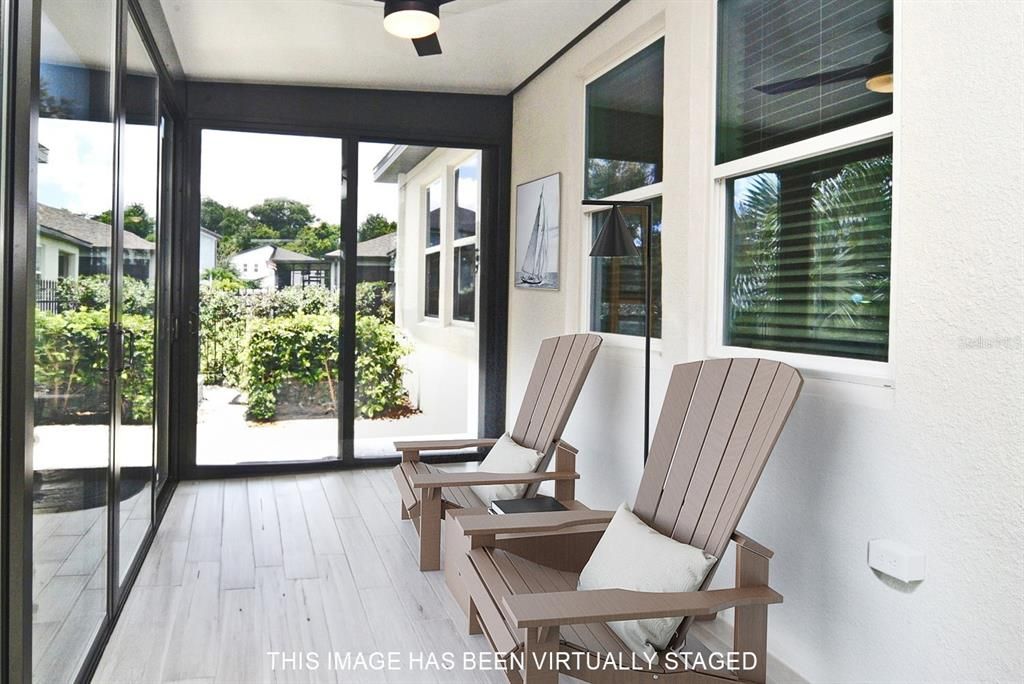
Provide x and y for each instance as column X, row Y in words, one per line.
column 935, row 461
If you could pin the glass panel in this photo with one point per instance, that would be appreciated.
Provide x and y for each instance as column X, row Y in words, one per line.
column 71, row 455
column 141, row 146
column 433, row 221
column 467, row 198
column 624, row 124
column 433, row 285
column 809, row 256
column 270, row 268
column 415, row 378
column 464, row 283
column 792, row 69
column 617, row 289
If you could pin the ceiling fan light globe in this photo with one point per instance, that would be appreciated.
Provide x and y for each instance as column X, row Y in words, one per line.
column 881, row 83
column 411, row 19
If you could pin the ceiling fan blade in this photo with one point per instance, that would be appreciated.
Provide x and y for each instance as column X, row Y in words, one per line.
column 427, row 45
column 823, row 78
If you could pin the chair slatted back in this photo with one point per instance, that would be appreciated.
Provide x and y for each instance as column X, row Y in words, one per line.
column 559, row 372
column 720, row 420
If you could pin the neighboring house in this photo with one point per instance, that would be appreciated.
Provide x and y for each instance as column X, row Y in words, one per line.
column 435, row 278
column 375, row 260
column 273, row 268
column 70, row 245
column 208, row 241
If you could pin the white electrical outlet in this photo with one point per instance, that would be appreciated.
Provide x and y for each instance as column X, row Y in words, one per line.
column 896, row 560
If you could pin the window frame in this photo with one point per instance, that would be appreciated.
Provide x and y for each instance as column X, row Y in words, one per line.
column 646, row 192
column 454, row 243
column 879, row 373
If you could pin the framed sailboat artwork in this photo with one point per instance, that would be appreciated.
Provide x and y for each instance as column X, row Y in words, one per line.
column 537, row 233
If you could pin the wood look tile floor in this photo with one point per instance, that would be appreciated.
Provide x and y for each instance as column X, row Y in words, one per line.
column 298, row 564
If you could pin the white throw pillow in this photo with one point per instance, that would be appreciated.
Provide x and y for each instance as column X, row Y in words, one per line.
column 633, row 556
column 506, row 457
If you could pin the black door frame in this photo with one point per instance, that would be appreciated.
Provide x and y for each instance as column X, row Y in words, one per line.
column 353, row 116
column 18, row 252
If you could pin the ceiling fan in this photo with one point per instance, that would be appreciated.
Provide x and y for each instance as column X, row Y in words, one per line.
column 877, row 73
column 417, row 20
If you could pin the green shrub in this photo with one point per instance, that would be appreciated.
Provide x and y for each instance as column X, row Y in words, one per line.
column 304, row 348
column 71, row 365
column 376, row 298
column 301, row 347
column 93, row 293
column 379, row 370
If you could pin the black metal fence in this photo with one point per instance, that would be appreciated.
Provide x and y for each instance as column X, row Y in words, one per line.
column 46, row 296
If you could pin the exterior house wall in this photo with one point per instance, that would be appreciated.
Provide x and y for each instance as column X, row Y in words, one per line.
column 443, row 381
column 48, row 254
column 207, row 250
column 255, row 265
column 933, row 461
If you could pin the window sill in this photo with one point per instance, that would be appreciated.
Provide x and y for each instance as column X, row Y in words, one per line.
column 831, row 368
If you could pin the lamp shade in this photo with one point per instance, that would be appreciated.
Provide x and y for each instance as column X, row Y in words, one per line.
column 615, row 238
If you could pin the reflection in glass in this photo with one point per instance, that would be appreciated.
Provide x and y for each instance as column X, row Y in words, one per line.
column 624, row 124
column 72, row 290
column 434, row 214
column 467, row 198
column 138, row 298
column 809, row 256
column 617, row 291
column 433, row 285
column 464, row 283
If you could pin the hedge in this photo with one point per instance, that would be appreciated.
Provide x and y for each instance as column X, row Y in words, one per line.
column 304, row 348
column 71, row 366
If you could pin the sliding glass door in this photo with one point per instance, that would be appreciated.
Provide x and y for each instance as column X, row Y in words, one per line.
column 97, row 268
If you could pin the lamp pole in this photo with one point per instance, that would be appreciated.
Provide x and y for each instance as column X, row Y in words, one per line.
column 616, row 240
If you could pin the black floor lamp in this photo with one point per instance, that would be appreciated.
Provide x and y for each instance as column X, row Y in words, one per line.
column 616, row 240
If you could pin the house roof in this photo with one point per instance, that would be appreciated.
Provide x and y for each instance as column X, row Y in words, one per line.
column 399, row 159
column 287, row 256
column 82, row 231
column 207, row 231
column 379, row 247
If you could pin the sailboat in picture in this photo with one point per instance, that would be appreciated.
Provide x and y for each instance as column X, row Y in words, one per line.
column 537, row 264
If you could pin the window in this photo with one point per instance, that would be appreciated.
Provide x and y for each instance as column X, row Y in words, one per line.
column 432, row 261
column 466, row 181
column 624, row 160
column 617, row 284
column 624, row 124
column 807, row 227
column 792, row 69
column 808, row 256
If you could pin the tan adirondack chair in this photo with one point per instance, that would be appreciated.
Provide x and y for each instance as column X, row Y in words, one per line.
column 719, row 422
column 559, row 372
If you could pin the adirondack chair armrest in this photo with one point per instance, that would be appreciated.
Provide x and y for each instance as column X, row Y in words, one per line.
column 748, row 544
column 553, row 609
column 519, row 523
column 434, row 480
column 411, row 450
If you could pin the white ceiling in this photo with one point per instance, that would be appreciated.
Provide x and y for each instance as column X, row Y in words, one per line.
column 489, row 46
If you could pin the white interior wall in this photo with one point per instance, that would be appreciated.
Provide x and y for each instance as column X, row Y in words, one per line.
column 934, row 461
column 443, row 379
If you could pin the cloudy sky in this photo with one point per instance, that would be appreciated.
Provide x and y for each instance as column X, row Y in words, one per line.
column 239, row 169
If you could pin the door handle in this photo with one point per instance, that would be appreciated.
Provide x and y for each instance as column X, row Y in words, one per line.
column 115, row 348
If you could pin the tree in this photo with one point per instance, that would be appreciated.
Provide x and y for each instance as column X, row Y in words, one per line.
column 136, row 220
column 316, row 240
column 221, row 219
column 284, row 216
column 375, row 225
column 243, row 239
